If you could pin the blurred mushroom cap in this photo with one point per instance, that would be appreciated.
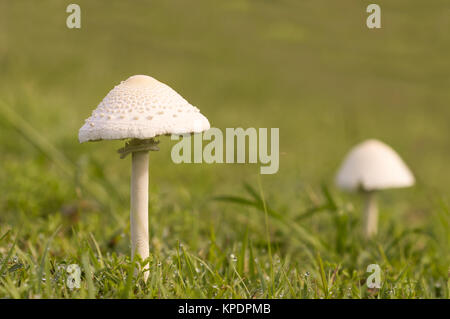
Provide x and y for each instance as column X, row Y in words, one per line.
column 373, row 165
column 141, row 107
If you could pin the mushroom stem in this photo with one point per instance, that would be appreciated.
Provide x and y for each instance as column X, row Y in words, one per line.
column 370, row 214
column 139, row 206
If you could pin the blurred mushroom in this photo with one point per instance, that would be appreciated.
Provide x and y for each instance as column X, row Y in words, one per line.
column 139, row 109
column 369, row 167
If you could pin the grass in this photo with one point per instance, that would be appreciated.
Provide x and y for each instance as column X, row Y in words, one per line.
column 224, row 231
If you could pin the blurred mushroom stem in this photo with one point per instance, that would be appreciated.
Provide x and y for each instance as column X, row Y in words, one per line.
column 139, row 196
column 370, row 214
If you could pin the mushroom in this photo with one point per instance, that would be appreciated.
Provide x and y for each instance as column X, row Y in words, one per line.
column 138, row 110
column 369, row 167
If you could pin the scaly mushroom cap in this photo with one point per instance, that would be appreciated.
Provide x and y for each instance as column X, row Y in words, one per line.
column 373, row 165
column 142, row 107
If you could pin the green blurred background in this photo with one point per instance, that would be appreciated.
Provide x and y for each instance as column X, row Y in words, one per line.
column 311, row 68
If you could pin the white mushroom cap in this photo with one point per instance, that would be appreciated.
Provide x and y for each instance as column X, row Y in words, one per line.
column 373, row 165
column 142, row 107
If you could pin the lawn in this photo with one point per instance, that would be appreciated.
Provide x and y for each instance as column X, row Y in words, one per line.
column 310, row 68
